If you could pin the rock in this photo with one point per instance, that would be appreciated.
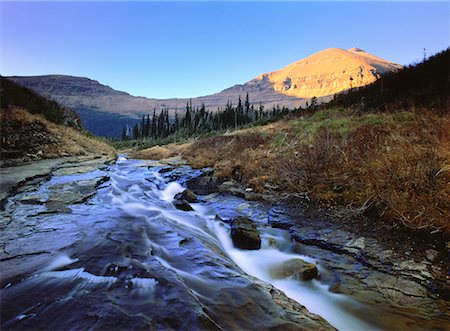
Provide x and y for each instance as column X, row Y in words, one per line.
column 278, row 219
column 335, row 286
column 203, row 185
column 431, row 254
column 220, row 219
column 187, row 195
column 296, row 268
column 243, row 206
column 244, row 233
column 182, row 205
column 165, row 170
column 355, row 246
column 232, row 188
column 444, row 292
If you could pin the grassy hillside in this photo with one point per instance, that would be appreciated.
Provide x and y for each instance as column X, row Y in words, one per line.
column 33, row 127
column 14, row 95
column 392, row 167
column 424, row 84
column 26, row 137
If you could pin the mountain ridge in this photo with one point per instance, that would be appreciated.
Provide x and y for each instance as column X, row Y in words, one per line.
column 320, row 75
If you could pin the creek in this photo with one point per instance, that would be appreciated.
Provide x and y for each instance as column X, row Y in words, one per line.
column 107, row 249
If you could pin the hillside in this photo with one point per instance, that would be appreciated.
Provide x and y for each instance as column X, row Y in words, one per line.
column 13, row 94
column 33, row 128
column 321, row 75
column 424, row 84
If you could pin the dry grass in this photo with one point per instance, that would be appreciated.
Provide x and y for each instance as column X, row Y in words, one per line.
column 64, row 141
column 391, row 167
column 158, row 152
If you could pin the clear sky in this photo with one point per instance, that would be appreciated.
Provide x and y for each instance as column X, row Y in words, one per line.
column 188, row 49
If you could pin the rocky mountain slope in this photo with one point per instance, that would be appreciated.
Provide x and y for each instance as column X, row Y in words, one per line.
column 328, row 72
column 322, row 74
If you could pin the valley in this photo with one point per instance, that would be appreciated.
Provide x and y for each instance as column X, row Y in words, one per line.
column 333, row 215
column 320, row 75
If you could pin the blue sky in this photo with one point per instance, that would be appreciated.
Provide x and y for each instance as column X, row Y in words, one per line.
column 188, row 49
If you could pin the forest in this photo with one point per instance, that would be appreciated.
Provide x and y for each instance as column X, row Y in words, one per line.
column 199, row 121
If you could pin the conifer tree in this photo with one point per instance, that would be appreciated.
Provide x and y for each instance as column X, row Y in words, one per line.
column 124, row 133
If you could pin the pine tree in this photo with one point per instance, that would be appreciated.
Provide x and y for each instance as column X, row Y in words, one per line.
column 147, row 127
column 124, row 133
column 142, row 128
column 136, row 131
column 247, row 105
column 154, row 133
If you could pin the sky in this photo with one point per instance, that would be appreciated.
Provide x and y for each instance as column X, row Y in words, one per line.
column 189, row 49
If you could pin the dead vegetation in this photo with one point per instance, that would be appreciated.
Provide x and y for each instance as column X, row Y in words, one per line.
column 393, row 167
column 27, row 136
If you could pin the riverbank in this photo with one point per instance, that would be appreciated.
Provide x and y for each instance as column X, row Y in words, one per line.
column 379, row 176
column 14, row 178
column 389, row 167
column 406, row 272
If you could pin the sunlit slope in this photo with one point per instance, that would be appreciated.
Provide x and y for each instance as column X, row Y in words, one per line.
column 328, row 72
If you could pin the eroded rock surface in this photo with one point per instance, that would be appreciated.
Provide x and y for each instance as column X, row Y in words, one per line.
column 122, row 258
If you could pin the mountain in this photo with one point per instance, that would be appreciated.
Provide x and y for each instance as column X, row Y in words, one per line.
column 320, row 75
column 328, row 72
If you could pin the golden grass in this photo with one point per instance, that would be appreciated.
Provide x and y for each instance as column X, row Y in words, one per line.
column 158, row 152
column 393, row 167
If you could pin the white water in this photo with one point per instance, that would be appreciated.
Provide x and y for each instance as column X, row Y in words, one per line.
column 138, row 212
column 274, row 251
column 313, row 295
column 79, row 273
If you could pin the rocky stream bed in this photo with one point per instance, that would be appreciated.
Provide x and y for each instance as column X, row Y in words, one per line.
column 92, row 245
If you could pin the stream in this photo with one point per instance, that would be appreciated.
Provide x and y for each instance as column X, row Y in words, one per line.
column 107, row 249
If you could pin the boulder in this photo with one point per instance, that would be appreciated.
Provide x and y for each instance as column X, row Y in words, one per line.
column 244, row 233
column 296, row 268
column 187, row 195
column 204, row 185
column 182, row 205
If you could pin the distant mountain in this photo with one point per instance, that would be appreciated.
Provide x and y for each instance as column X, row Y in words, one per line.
column 328, row 72
column 321, row 75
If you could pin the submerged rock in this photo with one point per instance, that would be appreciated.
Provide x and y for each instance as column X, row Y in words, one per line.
column 296, row 268
column 182, row 205
column 187, row 195
column 244, row 233
column 335, row 286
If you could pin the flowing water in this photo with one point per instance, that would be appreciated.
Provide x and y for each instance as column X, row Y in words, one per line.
column 127, row 259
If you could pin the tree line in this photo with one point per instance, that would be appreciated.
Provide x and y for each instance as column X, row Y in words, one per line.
column 198, row 120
